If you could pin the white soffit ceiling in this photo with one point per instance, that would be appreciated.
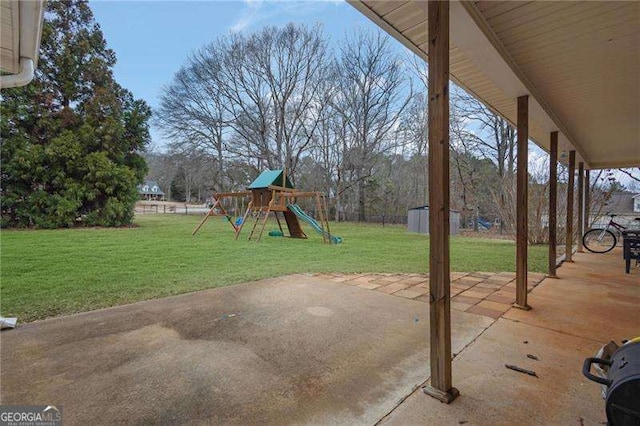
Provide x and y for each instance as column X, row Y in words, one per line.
column 9, row 36
column 578, row 61
column 20, row 32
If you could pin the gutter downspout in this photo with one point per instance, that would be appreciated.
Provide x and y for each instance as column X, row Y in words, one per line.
column 23, row 78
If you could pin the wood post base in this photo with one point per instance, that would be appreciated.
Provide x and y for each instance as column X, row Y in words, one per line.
column 441, row 396
column 523, row 307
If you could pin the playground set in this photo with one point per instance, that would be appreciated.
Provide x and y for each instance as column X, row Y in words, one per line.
column 273, row 192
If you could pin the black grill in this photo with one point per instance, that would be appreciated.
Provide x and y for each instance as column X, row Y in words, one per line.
column 622, row 382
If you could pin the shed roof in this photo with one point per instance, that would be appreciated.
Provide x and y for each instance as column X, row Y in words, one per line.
column 270, row 177
column 426, row 207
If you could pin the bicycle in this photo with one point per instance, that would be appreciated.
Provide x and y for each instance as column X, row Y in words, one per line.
column 603, row 240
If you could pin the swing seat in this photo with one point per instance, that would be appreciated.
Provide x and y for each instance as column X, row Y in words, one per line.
column 239, row 221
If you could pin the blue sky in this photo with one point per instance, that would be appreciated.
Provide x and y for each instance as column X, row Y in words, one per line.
column 152, row 39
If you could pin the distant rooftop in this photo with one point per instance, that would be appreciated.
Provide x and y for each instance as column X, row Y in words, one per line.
column 150, row 187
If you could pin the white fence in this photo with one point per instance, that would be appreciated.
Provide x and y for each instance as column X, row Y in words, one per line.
column 163, row 207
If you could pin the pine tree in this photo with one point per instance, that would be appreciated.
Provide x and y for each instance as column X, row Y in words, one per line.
column 71, row 140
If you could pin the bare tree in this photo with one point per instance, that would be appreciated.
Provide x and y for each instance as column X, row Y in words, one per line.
column 191, row 114
column 272, row 81
column 373, row 93
column 632, row 173
column 494, row 139
column 331, row 131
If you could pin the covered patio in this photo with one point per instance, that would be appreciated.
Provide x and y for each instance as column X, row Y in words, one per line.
column 563, row 73
column 592, row 302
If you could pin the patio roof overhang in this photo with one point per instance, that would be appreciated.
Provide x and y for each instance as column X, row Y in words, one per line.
column 579, row 63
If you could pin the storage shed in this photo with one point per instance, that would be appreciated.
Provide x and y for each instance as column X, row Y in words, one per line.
column 418, row 220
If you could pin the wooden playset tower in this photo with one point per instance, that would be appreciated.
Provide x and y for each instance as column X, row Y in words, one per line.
column 269, row 193
column 273, row 192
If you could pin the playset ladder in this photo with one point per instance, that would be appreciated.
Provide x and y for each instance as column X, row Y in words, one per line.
column 253, row 229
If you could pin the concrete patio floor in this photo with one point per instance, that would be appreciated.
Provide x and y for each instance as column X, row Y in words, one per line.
column 591, row 303
column 335, row 349
column 293, row 350
column 483, row 293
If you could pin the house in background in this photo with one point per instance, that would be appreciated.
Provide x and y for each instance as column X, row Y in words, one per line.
column 623, row 203
column 150, row 191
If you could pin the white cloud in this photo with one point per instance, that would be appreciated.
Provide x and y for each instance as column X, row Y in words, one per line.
column 256, row 11
column 249, row 16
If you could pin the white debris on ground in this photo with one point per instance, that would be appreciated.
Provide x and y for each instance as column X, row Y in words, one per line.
column 8, row 323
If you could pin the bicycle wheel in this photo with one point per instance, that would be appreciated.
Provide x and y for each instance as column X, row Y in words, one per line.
column 599, row 240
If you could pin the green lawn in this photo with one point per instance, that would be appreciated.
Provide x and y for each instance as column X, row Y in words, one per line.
column 48, row 273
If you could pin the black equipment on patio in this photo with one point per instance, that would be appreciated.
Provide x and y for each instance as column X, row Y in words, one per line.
column 619, row 372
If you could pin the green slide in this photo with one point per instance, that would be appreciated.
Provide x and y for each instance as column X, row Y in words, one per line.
column 314, row 223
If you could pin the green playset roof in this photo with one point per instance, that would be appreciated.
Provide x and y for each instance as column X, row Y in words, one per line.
column 270, row 177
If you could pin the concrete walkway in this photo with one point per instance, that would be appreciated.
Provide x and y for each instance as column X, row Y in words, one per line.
column 591, row 303
column 294, row 350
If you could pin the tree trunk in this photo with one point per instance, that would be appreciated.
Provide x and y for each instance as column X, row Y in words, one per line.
column 221, row 186
column 361, row 202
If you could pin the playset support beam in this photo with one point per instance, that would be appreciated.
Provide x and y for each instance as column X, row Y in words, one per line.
column 231, row 194
column 218, row 197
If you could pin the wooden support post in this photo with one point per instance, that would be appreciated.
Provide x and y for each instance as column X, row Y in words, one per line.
column 522, row 205
column 206, row 217
column 587, row 201
column 325, row 238
column 244, row 218
column 279, row 224
column 569, row 227
column 326, row 216
column 264, row 222
column 253, row 229
column 580, row 205
column 553, row 203
column 439, row 284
